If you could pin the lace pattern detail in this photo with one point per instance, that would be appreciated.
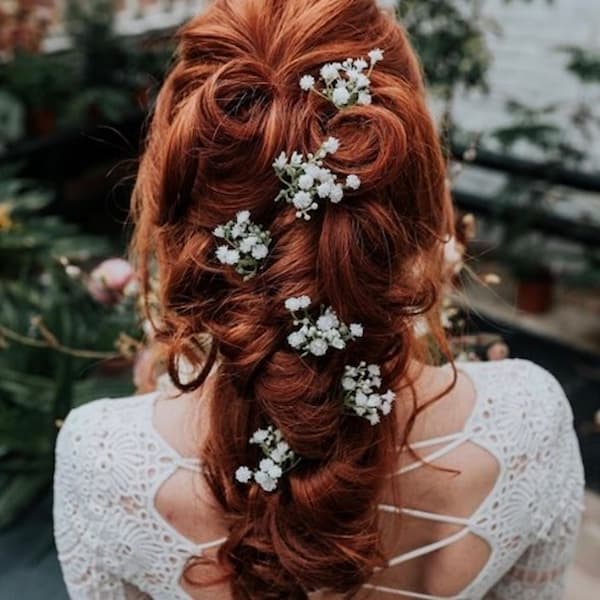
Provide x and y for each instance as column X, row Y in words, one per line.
column 111, row 462
column 110, row 465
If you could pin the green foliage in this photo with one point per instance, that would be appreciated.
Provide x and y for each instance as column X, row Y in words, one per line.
column 537, row 128
column 39, row 81
column 42, row 304
column 449, row 37
column 583, row 63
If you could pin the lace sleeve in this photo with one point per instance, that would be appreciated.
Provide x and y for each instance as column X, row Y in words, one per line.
column 540, row 573
column 79, row 525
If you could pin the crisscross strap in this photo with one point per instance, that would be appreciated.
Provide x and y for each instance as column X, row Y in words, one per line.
column 395, row 592
column 189, row 464
column 451, row 442
column 447, row 541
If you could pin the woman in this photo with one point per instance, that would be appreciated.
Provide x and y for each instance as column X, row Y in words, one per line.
column 293, row 201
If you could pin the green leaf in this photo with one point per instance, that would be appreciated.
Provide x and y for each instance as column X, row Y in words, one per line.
column 18, row 492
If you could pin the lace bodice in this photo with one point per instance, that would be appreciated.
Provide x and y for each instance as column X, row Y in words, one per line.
column 114, row 544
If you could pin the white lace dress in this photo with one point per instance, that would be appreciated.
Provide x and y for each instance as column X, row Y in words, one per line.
column 114, row 544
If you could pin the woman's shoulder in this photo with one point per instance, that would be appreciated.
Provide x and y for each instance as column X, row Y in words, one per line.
column 98, row 438
column 517, row 393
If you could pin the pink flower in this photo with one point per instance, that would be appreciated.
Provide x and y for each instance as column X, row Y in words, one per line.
column 109, row 279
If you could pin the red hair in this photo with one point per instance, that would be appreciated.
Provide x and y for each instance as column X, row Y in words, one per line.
column 230, row 105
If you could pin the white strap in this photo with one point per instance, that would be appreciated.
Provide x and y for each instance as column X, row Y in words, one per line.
column 422, row 514
column 464, row 437
column 429, row 548
column 394, row 591
column 433, row 441
column 208, row 545
column 189, row 464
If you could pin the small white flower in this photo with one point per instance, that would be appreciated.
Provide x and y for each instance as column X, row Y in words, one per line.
column 281, row 161
column 329, row 72
column 360, row 64
column 376, row 56
column 318, row 347
column 325, row 322
column 296, row 339
column 266, row 464
column 331, row 145
column 227, row 256
column 247, row 244
column 259, row 436
column 374, row 401
column 386, row 408
column 324, row 190
column 243, row 216
column 304, row 301
column 356, row 330
column 237, row 231
column 294, row 304
column 305, row 182
column 311, row 170
column 278, row 455
column 353, row 182
column 336, row 193
column 374, row 418
column 364, row 99
column 260, row 251
column 348, row 384
column 243, row 475
column 296, row 159
column 374, row 370
column 268, row 484
column 362, row 81
column 219, row 231
column 302, row 200
column 340, row 96
column 307, row 82
column 361, row 399
column 389, row 396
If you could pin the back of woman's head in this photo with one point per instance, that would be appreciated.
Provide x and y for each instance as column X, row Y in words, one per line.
column 231, row 104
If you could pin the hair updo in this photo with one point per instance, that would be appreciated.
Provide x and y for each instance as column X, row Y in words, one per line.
column 230, row 105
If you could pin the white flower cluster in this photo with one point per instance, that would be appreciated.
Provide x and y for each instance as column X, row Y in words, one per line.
column 246, row 244
column 360, row 385
column 345, row 84
column 316, row 337
column 306, row 180
column 278, row 459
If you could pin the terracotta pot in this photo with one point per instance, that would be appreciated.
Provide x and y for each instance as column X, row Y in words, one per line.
column 535, row 295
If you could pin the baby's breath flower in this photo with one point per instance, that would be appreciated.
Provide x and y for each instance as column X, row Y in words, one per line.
column 306, row 180
column 307, row 82
column 331, row 145
column 278, row 458
column 361, row 395
column 353, row 182
column 376, row 56
column 340, row 96
column 316, row 337
column 246, row 244
column 243, row 474
column 345, row 84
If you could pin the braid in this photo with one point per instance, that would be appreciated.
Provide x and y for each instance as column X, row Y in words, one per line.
column 231, row 105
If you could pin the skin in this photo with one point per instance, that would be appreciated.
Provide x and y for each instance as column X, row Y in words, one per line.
column 463, row 480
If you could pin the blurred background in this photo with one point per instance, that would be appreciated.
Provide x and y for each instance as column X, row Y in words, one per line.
column 515, row 88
